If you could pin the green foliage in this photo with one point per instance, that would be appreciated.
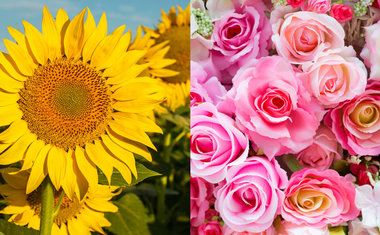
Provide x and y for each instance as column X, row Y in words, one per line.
column 7, row 228
column 131, row 217
column 118, row 180
column 293, row 164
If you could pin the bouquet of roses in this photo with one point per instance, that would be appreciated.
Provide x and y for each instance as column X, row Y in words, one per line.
column 285, row 117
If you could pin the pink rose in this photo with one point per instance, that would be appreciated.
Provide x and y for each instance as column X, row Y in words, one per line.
column 271, row 106
column 342, row 13
column 317, row 198
column 300, row 36
column 228, row 231
column 240, row 36
column 370, row 52
column 203, row 86
column 322, row 152
column 210, row 228
column 317, row 6
column 356, row 122
column 200, row 194
column 289, row 228
column 249, row 199
column 215, row 143
column 335, row 76
column 295, row 3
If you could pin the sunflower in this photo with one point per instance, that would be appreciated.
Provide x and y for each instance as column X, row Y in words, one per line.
column 74, row 216
column 73, row 102
column 172, row 39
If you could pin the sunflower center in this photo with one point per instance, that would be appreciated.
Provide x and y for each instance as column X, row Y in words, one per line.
column 66, row 103
column 67, row 210
column 179, row 37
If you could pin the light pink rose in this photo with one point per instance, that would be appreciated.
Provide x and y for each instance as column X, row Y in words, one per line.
column 317, row 198
column 250, row 197
column 228, row 231
column 335, row 76
column 271, row 105
column 210, row 228
column 342, row 13
column 370, row 52
column 300, row 36
column 356, row 227
column 356, row 122
column 200, row 194
column 204, row 87
column 317, row 6
column 240, row 36
column 289, row 228
column 322, row 152
column 216, row 143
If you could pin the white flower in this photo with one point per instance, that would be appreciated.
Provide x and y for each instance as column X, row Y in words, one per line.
column 368, row 201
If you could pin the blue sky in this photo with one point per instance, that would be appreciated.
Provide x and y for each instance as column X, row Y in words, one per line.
column 132, row 13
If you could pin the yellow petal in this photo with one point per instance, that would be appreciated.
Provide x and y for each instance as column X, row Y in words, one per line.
column 129, row 59
column 131, row 132
column 32, row 154
column 117, row 53
column 62, row 20
column 8, row 98
column 16, row 152
column 95, row 38
column 100, row 205
column 9, row 67
column 7, row 83
column 105, row 48
column 162, row 73
column 87, row 167
column 128, row 73
column 13, row 132
column 9, row 113
column 15, row 178
column 51, row 34
column 36, row 42
column 129, row 145
column 102, row 160
column 69, row 180
column 141, row 105
column 39, row 170
column 81, row 184
column 89, row 25
column 56, row 164
column 145, row 123
column 161, row 63
column 23, row 62
column 120, row 153
column 140, row 88
column 11, row 209
column 18, row 37
column 76, row 226
column 34, row 223
column 74, row 35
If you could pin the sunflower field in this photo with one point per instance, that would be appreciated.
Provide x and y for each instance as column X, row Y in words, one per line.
column 94, row 126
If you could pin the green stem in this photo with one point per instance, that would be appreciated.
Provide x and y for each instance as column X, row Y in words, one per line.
column 160, row 189
column 47, row 207
column 58, row 206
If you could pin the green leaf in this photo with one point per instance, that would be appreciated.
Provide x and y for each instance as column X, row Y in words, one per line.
column 130, row 218
column 7, row 228
column 293, row 164
column 179, row 120
column 117, row 179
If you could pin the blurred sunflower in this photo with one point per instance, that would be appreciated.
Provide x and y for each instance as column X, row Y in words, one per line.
column 74, row 216
column 73, row 102
column 168, row 53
